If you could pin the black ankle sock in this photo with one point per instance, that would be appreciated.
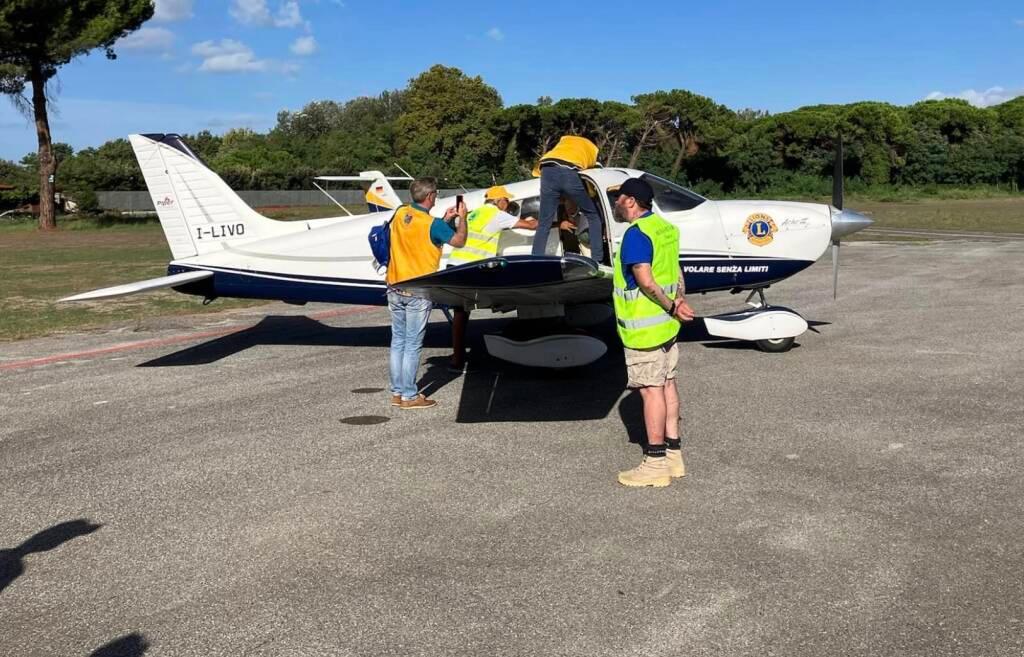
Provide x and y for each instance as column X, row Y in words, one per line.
column 655, row 451
column 673, row 443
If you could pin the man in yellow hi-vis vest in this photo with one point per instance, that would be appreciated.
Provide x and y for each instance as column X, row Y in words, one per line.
column 559, row 177
column 485, row 225
column 648, row 290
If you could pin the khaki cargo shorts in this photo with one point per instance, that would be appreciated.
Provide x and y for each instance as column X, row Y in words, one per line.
column 651, row 367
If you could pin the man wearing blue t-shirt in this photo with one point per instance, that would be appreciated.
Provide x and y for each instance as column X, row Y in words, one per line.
column 649, row 306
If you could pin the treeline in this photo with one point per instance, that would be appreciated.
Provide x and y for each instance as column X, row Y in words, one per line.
column 456, row 127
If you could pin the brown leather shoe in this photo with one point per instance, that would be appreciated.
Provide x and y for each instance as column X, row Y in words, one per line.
column 419, row 402
column 396, row 400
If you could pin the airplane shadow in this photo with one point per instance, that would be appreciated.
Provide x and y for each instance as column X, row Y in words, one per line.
column 130, row 645
column 302, row 331
column 493, row 390
column 12, row 564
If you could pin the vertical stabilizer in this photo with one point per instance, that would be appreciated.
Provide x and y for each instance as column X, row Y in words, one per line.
column 380, row 195
column 198, row 211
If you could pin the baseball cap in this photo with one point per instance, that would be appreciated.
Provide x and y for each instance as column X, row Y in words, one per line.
column 638, row 189
column 496, row 192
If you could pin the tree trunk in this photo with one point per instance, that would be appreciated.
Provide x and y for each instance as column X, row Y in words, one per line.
column 612, row 153
column 47, row 163
column 648, row 129
column 679, row 159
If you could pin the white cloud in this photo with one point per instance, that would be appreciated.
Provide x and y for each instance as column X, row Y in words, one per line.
column 1019, row 22
column 257, row 12
column 250, row 12
column 230, row 56
column 288, row 15
column 495, row 34
column 172, row 10
column 147, row 38
column 304, row 46
column 987, row 98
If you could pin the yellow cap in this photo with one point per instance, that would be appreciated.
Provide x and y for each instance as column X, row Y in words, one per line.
column 496, row 192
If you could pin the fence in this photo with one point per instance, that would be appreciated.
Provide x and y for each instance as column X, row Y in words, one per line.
column 141, row 201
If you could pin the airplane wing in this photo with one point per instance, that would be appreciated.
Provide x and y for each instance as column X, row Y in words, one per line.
column 141, row 286
column 516, row 281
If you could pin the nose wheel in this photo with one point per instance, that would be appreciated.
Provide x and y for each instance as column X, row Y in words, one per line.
column 776, row 346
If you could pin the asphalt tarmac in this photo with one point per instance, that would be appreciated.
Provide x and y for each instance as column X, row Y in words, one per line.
column 196, row 487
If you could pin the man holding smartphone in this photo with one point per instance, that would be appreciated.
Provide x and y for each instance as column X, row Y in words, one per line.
column 416, row 242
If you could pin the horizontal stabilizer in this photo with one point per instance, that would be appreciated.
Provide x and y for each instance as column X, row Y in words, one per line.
column 141, row 286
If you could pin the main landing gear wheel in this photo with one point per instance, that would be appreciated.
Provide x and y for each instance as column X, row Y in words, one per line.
column 777, row 346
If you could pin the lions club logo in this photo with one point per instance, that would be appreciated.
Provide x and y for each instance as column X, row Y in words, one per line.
column 760, row 229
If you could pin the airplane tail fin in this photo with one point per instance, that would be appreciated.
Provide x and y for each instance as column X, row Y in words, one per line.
column 380, row 195
column 198, row 211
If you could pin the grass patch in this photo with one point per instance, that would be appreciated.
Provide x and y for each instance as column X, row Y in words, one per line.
column 37, row 268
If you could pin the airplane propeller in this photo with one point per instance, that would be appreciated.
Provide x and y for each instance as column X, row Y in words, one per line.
column 844, row 222
column 837, row 203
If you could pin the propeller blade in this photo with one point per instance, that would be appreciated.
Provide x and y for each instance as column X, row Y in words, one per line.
column 835, row 269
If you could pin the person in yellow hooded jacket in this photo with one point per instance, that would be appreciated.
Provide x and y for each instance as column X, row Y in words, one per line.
column 559, row 177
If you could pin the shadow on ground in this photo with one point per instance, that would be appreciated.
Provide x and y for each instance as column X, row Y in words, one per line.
column 130, row 645
column 493, row 390
column 12, row 561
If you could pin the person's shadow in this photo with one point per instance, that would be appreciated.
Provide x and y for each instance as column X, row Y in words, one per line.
column 130, row 645
column 12, row 563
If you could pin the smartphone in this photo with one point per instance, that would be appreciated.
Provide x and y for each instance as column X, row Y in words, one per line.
column 458, row 201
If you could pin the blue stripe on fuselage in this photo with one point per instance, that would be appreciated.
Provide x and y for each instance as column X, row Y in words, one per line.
column 701, row 275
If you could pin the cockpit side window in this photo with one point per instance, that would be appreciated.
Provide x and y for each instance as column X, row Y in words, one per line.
column 670, row 197
column 528, row 207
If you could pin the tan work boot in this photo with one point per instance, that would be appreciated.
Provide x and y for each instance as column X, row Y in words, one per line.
column 676, row 467
column 396, row 400
column 652, row 471
column 419, row 402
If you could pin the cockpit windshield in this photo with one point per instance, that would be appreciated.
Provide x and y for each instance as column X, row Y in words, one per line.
column 670, row 197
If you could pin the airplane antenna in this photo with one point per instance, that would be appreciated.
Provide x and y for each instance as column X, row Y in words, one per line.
column 328, row 195
column 837, row 202
column 403, row 170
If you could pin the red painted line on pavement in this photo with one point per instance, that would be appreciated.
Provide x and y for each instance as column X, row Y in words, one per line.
column 163, row 342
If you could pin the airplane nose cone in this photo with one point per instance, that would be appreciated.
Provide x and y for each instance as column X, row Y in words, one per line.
column 847, row 222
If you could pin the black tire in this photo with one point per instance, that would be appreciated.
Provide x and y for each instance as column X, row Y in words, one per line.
column 776, row 346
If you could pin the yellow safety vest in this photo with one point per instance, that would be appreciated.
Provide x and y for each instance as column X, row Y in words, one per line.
column 412, row 252
column 642, row 323
column 480, row 242
column 578, row 151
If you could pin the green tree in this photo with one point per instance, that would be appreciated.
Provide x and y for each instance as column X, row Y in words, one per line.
column 691, row 122
column 447, row 125
column 37, row 37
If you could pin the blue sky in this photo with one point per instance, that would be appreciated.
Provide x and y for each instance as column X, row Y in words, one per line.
column 217, row 64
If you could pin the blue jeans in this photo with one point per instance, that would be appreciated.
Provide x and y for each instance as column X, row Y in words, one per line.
column 408, row 326
column 555, row 182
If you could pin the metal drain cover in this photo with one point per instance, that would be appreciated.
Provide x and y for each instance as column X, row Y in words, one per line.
column 365, row 419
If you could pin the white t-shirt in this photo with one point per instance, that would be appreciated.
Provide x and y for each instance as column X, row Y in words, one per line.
column 501, row 221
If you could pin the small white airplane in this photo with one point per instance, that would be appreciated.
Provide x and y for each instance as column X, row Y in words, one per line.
column 223, row 248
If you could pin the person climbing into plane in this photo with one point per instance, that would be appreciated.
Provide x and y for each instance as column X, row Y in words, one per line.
column 559, row 176
column 484, row 226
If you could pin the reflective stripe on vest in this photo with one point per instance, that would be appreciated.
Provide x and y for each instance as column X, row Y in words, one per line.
column 642, row 323
column 480, row 243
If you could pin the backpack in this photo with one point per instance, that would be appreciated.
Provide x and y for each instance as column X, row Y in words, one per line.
column 380, row 243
